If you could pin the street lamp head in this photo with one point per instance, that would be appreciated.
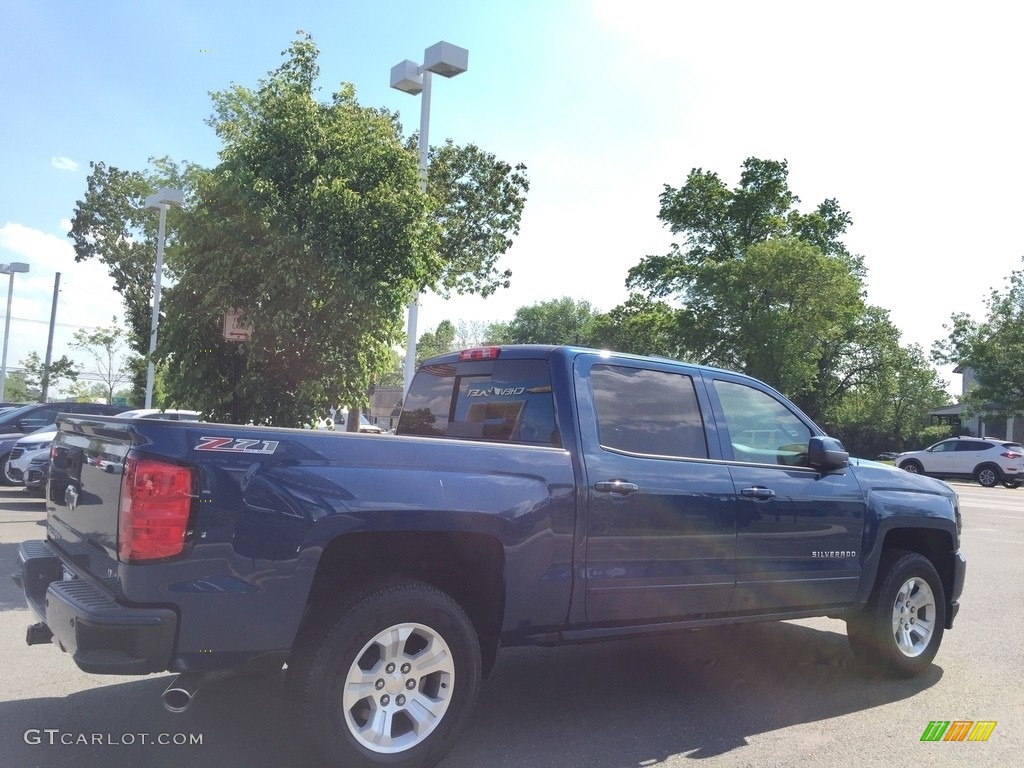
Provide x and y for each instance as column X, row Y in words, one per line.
column 405, row 76
column 14, row 266
column 165, row 196
column 446, row 59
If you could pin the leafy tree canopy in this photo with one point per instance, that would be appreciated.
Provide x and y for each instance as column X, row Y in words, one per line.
column 558, row 321
column 39, row 379
column 112, row 365
column 762, row 287
column 313, row 223
column 993, row 348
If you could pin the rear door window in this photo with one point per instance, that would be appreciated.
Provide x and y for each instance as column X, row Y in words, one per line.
column 502, row 400
column 648, row 412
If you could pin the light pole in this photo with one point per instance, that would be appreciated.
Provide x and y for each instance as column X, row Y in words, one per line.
column 8, row 269
column 446, row 60
column 163, row 199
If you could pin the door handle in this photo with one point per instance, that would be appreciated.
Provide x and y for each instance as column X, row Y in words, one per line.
column 759, row 493
column 618, row 487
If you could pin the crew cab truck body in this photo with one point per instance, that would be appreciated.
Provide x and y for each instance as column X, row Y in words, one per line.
column 534, row 495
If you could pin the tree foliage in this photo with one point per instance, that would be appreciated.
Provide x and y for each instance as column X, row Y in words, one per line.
column 478, row 202
column 641, row 326
column 558, row 321
column 993, row 348
column 764, row 288
column 16, row 389
column 105, row 346
column 436, row 342
column 889, row 411
column 38, row 378
column 313, row 223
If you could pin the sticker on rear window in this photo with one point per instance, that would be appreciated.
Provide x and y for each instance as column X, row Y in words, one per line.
column 236, row 445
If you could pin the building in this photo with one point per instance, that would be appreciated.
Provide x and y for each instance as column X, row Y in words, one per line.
column 979, row 425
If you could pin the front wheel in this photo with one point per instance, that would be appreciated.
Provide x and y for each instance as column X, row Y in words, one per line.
column 901, row 628
column 912, row 467
column 390, row 679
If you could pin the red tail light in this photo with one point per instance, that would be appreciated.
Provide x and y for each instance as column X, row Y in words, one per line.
column 482, row 353
column 1011, row 455
column 156, row 499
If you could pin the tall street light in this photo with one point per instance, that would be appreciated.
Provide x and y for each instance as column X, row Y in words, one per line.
column 446, row 60
column 8, row 269
column 163, row 199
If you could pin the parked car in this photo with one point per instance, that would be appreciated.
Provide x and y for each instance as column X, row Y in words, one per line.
column 988, row 460
column 16, row 423
column 37, row 473
column 887, row 455
column 25, row 450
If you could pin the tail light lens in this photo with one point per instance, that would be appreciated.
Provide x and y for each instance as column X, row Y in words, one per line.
column 1011, row 455
column 156, row 500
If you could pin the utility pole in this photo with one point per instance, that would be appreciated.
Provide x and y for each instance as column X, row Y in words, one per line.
column 49, row 340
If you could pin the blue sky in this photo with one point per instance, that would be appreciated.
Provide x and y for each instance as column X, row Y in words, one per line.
column 907, row 113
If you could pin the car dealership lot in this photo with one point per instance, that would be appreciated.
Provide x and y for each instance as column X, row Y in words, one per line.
column 772, row 694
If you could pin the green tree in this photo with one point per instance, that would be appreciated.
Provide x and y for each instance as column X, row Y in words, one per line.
column 558, row 321
column 765, row 288
column 478, row 202
column 16, row 389
column 641, row 326
column 39, row 379
column 106, row 347
column 88, row 391
column 889, row 411
column 993, row 348
column 436, row 342
column 313, row 223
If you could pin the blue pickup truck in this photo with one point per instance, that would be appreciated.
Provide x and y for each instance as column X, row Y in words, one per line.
column 532, row 495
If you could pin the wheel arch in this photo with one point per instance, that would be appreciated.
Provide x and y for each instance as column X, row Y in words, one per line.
column 934, row 544
column 470, row 567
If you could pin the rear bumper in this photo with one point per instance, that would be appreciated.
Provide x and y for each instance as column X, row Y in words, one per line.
column 959, row 574
column 103, row 636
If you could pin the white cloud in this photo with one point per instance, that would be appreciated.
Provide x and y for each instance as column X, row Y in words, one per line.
column 86, row 299
column 63, row 163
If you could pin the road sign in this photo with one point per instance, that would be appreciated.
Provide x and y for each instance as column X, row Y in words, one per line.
column 234, row 330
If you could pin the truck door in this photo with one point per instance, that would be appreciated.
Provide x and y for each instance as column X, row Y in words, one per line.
column 799, row 535
column 661, row 531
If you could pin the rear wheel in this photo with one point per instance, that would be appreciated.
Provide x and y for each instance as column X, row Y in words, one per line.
column 987, row 475
column 389, row 678
column 901, row 628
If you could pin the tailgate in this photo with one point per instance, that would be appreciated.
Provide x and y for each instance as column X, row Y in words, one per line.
column 84, row 492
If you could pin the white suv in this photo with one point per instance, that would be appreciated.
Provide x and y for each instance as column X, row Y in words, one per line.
column 988, row 460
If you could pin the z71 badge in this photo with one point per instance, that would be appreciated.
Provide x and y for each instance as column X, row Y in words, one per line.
column 236, row 445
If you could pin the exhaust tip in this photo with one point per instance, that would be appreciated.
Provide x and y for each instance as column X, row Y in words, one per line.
column 176, row 699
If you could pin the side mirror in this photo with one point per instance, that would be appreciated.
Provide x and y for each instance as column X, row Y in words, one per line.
column 827, row 454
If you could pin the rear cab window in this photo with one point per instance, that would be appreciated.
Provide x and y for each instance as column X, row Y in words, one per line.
column 495, row 400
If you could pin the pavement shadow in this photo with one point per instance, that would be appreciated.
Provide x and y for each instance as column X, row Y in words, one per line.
column 612, row 705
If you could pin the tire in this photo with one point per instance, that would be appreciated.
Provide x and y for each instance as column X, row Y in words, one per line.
column 901, row 627
column 6, row 479
column 913, row 467
column 388, row 678
column 988, row 476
